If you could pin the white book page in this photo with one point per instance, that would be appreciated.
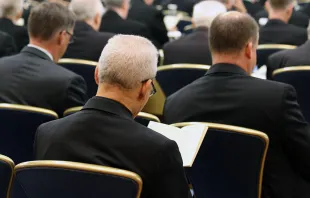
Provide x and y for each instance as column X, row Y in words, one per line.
column 188, row 139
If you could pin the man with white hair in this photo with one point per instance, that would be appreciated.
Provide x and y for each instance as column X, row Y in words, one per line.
column 89, row 14
column 104, row 132
column 115, row 20
column 194, row 48
column 10, row 12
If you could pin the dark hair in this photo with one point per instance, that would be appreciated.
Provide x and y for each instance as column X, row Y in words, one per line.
column 48, row 18
column 231, row 31
column 279, row 4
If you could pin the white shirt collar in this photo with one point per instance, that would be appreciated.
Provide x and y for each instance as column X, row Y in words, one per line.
column 42, row 50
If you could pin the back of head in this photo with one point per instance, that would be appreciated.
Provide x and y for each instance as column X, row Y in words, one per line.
column 205, row 11
column 11, row 8
column 230, row 32
column 280, row 4
column 47, row 19
column 113, row 3
column 127, row 60
column 86, row 9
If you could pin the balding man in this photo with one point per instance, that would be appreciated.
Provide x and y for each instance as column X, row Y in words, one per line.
column 105, row 132
column 194, row 48
column 227, row 94
column 88, row 42
column 10, row 12
column 277, row 30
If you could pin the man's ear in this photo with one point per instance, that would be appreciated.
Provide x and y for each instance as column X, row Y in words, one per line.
column 97, row 21
column 97, row 75
column 248, row 50
column 145, row 89
column 267, row 6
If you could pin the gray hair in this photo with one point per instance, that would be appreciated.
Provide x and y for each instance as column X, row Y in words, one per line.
column 127, row 61
column 113, row 3
column 205, row 12
column 86, row 9
column 11, row 8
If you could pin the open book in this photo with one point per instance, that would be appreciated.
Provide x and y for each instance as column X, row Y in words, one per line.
column 188, row 138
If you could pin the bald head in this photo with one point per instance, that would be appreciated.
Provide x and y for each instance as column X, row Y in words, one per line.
column 230, row 32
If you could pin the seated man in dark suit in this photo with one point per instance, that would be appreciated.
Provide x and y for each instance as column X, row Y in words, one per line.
column 88, row 42
column 144, row 12
column 7, row 45
column 194, row 48
column 105, row 132
column 115, row 20
column 31, row 77
column 227, row 94
column 295, row 57
column 277, row 30
column 12, row 11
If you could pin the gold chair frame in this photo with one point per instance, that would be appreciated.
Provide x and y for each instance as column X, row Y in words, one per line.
column 183, row 66
column 289, row 69
column 77, row 61
column 241, row 130
column 11, row 164
column 84, row 167
column 275, row 46
column 72, row 110
column 161, row 57
column 28, row 109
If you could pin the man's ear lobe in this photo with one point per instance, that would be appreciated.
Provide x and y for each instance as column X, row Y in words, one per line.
column 97, row 75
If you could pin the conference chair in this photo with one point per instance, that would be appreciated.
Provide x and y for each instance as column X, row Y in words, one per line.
column 230, row 162
column 142, row 118
column 6, row 176
column 18, row 126
column 51, row 179
column 84, row 68
column 299, row 78
column 265, row 50
column 171, row 78
column 183, row 22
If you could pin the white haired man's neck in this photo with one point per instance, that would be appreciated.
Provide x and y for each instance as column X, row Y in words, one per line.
column 120, row 11
column 45, row 45
column 279, row 15
column 116, row 93
column 230, row 59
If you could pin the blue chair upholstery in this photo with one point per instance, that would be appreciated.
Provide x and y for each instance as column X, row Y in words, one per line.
column 299, row 78
column 142, row 118
column 51, row 179
column 6, row 175
column 171, row 78
column 265, row 50
column 84, row 68
column 18, row 126
column 229, row 163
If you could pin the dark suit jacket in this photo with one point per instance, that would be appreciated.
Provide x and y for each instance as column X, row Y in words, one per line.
column 295, row 57
column 19, row 33
column 227, row 95
column 150, row 17
column 278, row 32
column 31, row 78
column 112, row 22
column 105, row 133
column 252, row 8
column 7, row 45
column 193, row 48
column 88, row 43
column 298, row 18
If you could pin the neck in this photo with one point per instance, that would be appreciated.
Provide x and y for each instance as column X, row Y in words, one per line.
column 280, row 15
column 13, row 19
column 235, row 60
column 115, row 93
column 91, row 24
column 120, row 12
column 45, row 46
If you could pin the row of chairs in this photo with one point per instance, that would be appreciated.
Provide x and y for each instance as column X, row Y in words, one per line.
column 230, row 158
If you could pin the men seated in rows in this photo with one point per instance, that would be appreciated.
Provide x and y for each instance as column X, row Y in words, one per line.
column 88, row 42
column 31, row 77
column 194, row 48
column 295, row 57
column 144, row 12
column 115, row 20
column 277, row 30
column 104, row 132
column 10, row 12
column 7, row 45
column 227, row 94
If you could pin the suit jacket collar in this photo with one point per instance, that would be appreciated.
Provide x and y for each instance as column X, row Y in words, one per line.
column 201, row 29
column 275, row 22
column 6, row 21
column 82, row 26
column 108, row 105
column 35, row 52
column 110, row 14
column 226, row 68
